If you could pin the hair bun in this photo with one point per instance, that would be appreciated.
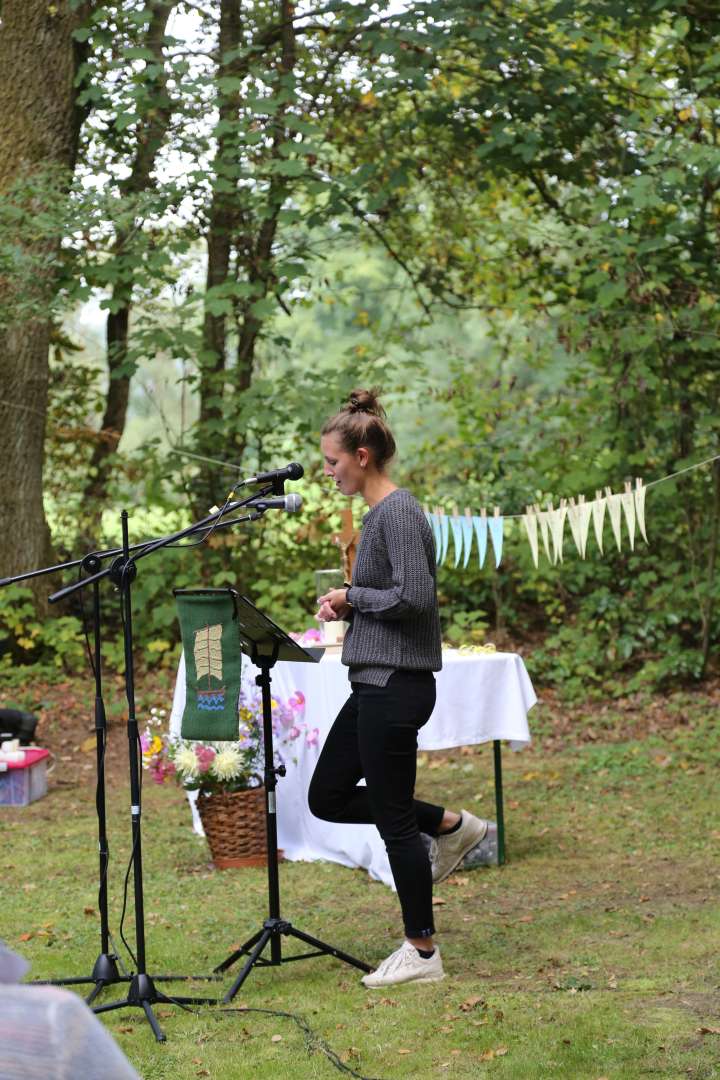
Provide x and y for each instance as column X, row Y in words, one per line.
column 362, row 400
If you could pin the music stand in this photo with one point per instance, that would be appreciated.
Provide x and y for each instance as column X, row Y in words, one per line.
column 265, row 643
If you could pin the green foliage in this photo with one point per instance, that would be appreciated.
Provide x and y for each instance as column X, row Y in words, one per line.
column 536, row 190
column 50, row 645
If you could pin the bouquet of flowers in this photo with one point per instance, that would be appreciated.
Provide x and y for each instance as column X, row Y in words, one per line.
column 225, row 766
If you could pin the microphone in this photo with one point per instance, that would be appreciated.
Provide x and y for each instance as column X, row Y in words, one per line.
column 289, row 503
column 293, row 471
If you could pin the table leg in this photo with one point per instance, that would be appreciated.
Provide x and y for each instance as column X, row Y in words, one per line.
column 499, row 812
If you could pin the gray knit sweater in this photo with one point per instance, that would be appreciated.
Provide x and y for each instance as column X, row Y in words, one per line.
column 395, row 621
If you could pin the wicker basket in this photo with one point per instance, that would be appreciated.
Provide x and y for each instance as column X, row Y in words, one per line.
column 234, row 824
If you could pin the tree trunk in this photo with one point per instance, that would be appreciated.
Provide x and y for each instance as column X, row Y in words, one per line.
column 38, row 137
column 150, row 137
column 708, row 605
column 223, row 219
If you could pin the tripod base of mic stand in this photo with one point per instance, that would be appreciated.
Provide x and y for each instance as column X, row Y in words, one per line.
column 104, row 973
column 272, row 932
column 143, row 995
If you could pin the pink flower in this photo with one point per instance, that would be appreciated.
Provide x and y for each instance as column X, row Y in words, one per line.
column 161, row 770
column 205, row 756
column 145, row 741
column 312, row 737
column 293, row 732
column 297, row 701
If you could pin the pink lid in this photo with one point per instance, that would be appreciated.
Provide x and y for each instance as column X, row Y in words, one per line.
column 32, row 755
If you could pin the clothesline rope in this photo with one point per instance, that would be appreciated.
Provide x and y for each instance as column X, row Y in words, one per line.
column 507, row 517
column 652, row 483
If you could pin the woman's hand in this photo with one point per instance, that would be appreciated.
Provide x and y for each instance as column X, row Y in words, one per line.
column 333, row 606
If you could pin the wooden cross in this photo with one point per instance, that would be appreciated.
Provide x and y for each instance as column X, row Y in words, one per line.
column 347, row 540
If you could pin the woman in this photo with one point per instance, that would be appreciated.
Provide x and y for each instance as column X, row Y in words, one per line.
column 392, row 648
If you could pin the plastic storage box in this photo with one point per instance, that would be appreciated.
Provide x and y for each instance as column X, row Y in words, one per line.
column 22, row 782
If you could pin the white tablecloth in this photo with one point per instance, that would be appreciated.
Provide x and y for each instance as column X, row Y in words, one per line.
column 480, row 697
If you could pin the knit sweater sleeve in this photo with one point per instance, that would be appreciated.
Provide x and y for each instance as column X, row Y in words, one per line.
column 412, row 591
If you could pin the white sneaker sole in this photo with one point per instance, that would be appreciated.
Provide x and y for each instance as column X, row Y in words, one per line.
column 405, row 982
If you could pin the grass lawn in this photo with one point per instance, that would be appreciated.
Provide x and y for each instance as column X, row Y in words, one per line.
column 593, row 953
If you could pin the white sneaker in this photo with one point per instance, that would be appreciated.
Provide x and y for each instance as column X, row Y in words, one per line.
column 405, row 965
column 449, row 850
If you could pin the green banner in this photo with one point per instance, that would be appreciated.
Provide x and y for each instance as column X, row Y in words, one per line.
column 213, row 660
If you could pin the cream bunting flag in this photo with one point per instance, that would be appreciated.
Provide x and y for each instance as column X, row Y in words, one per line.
column 628, row 505
column 614, row 505
column 598, row 516
column 531, row 527
column 579, row 517
column 640, row 490
column 544, row 530
column 556, row 521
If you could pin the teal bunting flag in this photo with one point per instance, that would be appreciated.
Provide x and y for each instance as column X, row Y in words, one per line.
column 456, row 526
column 480, row 525
column 495, row 524
column 467, row 535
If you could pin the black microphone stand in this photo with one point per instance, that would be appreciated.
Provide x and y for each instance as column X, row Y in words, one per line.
column 105, row 969
column 142, row 991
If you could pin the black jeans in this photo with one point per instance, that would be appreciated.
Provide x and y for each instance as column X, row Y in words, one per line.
column 375, row 736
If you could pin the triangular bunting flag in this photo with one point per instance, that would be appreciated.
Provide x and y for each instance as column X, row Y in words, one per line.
column 628, row 505
column 598, row 516
column 456, row 526
column 640, row 490
column 614, row 505
column 495, row 524
column 544, row 530
column 480, row 525
column 467, row 531
column 531, row 527
column 556, row 521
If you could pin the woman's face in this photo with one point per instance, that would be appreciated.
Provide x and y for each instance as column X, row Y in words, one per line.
column 346, row 469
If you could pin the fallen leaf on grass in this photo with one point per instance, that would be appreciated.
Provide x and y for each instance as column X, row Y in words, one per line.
column 487, row 1055
column 471, row 1003
column 89, row 911
column 404, row 1051
column 458, row 881
column 525, row 918
column 709, row 1030
column 276, row 1038
column 25, row 937
column 501, row 1051
column 88, row 744
column 438, row 900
